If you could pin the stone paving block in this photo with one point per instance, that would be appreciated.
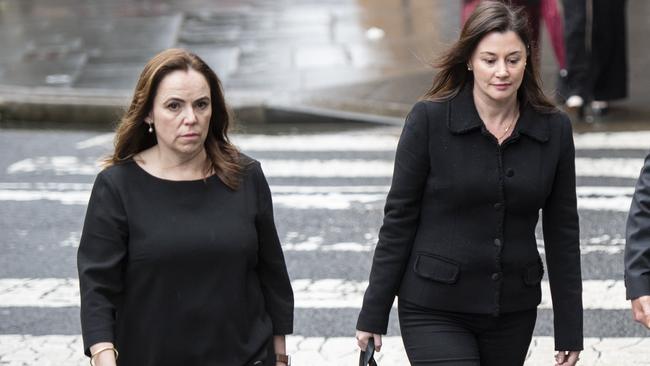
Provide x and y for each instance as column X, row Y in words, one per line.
column 55, row 70
column 210, row 30
column 339, row 348
column 110, row 76
column 277, row 81
column 311, row 344
column 137, row 35
column 253, row 58
column 223, row 60
column 372, row 54
column 310, row 57
column 326, row 79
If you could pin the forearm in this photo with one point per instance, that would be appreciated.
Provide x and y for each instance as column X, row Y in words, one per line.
column 280, row 348
column 279, row 345
column 103, row 358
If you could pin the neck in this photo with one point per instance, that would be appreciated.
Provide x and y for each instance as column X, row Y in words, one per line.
column 181, row 166
column 492, row 111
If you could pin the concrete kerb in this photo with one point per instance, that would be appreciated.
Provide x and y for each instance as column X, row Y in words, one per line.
column 79, row 107
column 101, row 109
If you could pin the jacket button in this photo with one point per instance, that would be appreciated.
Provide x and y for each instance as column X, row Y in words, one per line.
column 510, row 173
column 497, row 242
column 498, row 206
column 496, row 276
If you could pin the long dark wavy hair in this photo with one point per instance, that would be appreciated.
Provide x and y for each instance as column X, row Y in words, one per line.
column 488, row 17
column 131, row 135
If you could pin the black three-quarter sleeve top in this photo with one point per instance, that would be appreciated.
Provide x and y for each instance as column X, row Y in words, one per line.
column 182, row 272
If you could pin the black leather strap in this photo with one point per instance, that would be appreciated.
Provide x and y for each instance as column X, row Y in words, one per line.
column 367, row 358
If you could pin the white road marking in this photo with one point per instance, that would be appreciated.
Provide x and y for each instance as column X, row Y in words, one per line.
column 609, row 167
column 360, row 141
column 104, row 140
column 327, row 168
column 305, row 197
column 320, row 142
column 304, row 142
column 67, row 350
column 604, row 244
column 333, row 293
column 613, row 140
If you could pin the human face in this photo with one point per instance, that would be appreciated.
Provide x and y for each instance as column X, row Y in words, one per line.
column 498, row 64
column 181, row 112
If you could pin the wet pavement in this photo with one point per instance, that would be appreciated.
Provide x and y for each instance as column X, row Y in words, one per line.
column 343, row 59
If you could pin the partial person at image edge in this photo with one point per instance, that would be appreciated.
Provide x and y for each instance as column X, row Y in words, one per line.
column 476, row 161
column 179, row 261
column 637, row 248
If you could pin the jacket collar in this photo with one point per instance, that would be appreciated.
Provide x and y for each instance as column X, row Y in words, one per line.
column 463, row 117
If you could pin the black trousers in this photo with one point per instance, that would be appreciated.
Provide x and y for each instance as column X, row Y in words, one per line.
column 442, row 338
column 597, row 67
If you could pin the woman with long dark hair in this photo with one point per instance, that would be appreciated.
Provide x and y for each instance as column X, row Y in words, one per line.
column 478, row 158
column 179, row 261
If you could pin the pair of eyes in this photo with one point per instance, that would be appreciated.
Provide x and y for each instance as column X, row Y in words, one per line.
column 509, row 61
column 176, row 106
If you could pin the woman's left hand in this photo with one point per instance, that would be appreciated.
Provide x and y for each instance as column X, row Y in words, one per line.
column 567, row 358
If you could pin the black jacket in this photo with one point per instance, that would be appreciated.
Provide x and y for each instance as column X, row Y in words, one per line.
column 460, row 218
column 637, row 247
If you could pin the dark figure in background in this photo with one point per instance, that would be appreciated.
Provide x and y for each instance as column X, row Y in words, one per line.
column 596, row 54
column 179, row 261
column 637, row 249
column 477, row 160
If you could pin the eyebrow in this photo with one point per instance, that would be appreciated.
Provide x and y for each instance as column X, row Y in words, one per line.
column 494, row 54
column 176, row 99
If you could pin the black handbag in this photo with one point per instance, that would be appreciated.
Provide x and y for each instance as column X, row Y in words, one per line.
column 367, row 358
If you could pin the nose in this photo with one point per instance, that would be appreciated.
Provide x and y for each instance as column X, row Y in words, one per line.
column 190, row 116
column 502, row 70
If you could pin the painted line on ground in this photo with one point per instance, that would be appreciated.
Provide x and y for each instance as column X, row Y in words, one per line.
column 332, row 293
column 305, row 197
column 384, row 141
column 315, row 168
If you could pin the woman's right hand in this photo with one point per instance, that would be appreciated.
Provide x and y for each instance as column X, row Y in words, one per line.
column 363, row 337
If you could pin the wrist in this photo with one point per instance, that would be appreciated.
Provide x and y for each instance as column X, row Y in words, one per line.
column 102, row 356
column 282, row 360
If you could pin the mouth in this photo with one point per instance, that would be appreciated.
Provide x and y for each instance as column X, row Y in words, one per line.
column 502, row 85
column 190, row 135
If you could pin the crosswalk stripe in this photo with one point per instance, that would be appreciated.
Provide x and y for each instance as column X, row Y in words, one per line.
column 305, row 197
column 637, row 140
column 603, row 244
column 67, row 350
column 321, row 168
column 331, row 293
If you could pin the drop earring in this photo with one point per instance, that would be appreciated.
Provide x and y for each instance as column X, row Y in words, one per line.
column 150, row 127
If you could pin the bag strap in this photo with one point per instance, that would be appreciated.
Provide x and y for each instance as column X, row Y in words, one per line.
column 367, row 358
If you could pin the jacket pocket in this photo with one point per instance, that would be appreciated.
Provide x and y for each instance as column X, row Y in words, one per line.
column 534, row 272
column 436, row 268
